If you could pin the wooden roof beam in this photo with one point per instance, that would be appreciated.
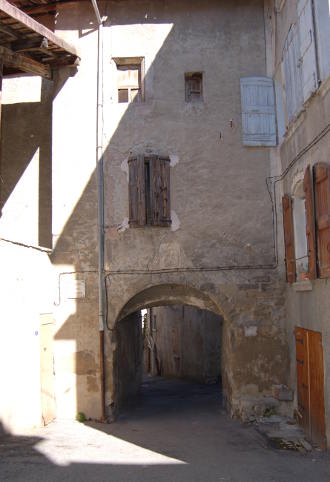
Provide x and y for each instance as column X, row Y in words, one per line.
column 30, row 23
column 17, row 61
column 9, row 31
column 21, row 45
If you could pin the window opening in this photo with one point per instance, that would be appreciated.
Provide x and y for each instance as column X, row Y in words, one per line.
column 300, row 238
column 130, row 79
column 194, row 86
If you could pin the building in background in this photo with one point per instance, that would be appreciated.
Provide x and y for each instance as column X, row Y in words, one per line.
column 183, row 342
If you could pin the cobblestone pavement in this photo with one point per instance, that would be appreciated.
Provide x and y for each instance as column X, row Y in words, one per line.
column 174, row 432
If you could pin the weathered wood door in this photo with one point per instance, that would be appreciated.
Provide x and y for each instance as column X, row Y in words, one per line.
column 302, row 378
column 310, row 384
column 48, row 405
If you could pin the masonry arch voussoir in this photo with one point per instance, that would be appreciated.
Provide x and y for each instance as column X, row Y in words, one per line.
column 170, row 294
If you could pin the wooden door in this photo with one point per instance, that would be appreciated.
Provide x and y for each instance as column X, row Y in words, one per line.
column 310, row 384
column 317, row 415
column 303, row 378
column 48, row 406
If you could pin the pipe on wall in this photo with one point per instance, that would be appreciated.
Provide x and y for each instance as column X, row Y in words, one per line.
column 100, row 197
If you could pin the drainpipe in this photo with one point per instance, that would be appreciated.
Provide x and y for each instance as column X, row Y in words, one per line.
column 100, row 197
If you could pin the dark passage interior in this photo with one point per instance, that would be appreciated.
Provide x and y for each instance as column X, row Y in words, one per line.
column 169, row 358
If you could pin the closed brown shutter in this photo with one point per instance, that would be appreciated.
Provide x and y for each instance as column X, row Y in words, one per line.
column 322, row 214
column 160, row 206
column 290, row 261
column 310, row 224
column 137, row 205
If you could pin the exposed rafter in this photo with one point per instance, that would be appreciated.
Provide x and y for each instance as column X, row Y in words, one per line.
column 22, row 63
column 32, row 43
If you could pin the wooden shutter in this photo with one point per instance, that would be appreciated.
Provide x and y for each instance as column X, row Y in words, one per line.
column 258, row 111
column 322, row 214
column 307, row 57
column 310, row 224
column 290, row 261
column 160, row 207
column 292, row 74
column 137, row 205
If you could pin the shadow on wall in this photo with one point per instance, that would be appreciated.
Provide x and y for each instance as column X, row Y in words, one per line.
column 162, row 123
column 25, row 129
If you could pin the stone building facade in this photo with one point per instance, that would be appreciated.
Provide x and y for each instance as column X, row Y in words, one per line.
column 189, row 217
column 300, row 38
column 211, row 255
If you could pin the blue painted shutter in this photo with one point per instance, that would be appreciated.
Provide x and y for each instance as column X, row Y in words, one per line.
column 258, row 111
column 307, row 57
column 322, row 33
column 292, row 74
column 279, row 111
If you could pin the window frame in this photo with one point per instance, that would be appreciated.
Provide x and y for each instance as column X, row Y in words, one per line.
column 317, row 225
column 138, row 62
column 190, row 77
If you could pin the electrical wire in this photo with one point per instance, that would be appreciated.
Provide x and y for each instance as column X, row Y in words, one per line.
column 24, row 245
column 271, row 182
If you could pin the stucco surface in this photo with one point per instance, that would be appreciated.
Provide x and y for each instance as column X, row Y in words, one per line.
column 222, row 214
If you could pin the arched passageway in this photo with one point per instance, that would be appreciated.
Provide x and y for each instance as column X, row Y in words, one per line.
column 253, row 349
column 180, row 337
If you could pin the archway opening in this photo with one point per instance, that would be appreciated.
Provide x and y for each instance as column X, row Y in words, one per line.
column 169, row 357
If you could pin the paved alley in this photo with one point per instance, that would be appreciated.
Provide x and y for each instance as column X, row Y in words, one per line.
column 175, row 432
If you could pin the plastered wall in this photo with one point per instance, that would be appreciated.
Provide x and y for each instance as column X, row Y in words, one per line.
column 221, row 212
column 218, row 254
column 25, row 231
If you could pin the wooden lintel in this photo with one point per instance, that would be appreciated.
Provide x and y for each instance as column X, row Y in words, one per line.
column 25, row 64
column 35, row 26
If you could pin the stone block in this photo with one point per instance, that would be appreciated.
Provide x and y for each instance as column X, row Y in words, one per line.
column 283, row 393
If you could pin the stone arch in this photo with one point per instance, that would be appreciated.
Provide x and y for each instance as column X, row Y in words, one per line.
column 254, row 351
column 169, row 294
column 124, row 332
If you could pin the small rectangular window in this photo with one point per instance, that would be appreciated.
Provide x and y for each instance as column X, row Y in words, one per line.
column 194, row 86
column 130, row 79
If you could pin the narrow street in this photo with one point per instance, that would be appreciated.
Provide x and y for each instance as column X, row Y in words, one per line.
column 175, row 432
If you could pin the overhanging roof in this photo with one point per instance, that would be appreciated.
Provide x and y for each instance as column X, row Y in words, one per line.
column 28, row 46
